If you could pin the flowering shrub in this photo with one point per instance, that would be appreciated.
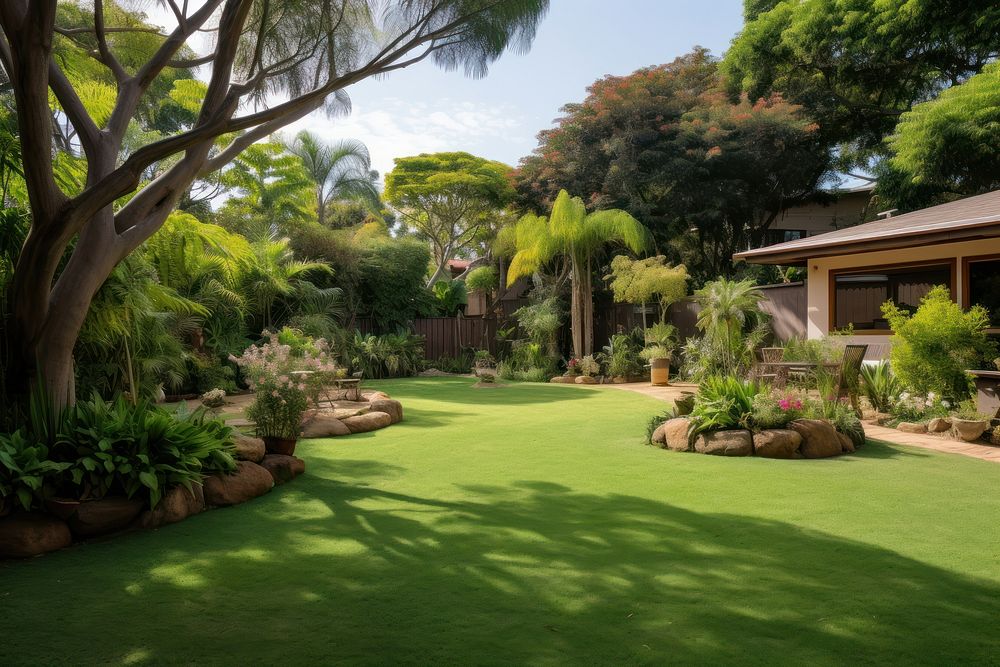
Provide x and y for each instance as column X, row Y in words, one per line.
column 920, row 407
column 214, row 398
column 573, row 366
column 286, row 379
column 777, row 408
column 589, row 365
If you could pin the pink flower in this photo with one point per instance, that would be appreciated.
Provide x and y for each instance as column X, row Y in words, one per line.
column 275, row 393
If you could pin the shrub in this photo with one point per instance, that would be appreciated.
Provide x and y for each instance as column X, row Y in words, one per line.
column 390, row 355
column 120, row 448
column 880, row 385
column 661, row 334
column 449, row 297
column 655, row 352
column 814, row 350
column 214, row 398
column 540, row 321
column 723, row 402
column 589, row 365
column 25, row 470
column 482, row 279
column 917, row 407
column 841, row 414
column 732, row 327
column 968, row 410
column 932, row 349
column 621, row 356
column 461, row 364
column 777, row 408
column 391, row 276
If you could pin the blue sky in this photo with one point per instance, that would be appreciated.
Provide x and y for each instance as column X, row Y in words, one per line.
column 425, row 109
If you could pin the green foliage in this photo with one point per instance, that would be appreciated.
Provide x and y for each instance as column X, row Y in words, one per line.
column 723, row 402
column 843, row 418
column 528, row 362
column 461, row 364
column 541, row 320
column 25, row 470
column 732, row 327
column 827, row 349
column 391, row 282
column 398, row 354
column 340, row 172
column 484, row 279
column 450, row 296
column 948, row 145
column 880, row 385
column 934, row 347
column 645, row 280
column 622, row 356
column 775, row 409
column 140, row 449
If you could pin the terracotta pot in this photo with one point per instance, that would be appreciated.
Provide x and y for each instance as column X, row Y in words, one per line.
column 659, row 375
column 276, row 445
column 89, row 518
column 968, row 429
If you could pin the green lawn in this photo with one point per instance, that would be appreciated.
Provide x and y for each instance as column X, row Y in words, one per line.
column 528, row 524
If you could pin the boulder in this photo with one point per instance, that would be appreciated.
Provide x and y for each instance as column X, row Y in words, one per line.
column 912, row 427
column 883, row 418
column 777, row 443
column 585, row 379
column 377, row 395
column 725, row 443
column 248, row 448
column 32, row 533
column 819, row 438
column 658, row 438
column 249, row 481
column 283, row 468
column 846, row 444
column 563, row 379
column 91, row 518
column 368, row 422
column 938, row 425
column 176, row 505
column 324, row 426
column 675, row 434
column 391, row 407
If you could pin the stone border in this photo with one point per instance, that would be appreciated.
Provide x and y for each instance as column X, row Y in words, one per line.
column 802, row 439
column 382, row 411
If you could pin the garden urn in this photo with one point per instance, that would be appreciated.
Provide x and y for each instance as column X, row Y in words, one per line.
column 968, row 430
column 659, row 372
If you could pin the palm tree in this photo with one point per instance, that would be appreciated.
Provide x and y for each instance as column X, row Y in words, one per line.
column 275, row 273
column 732, row 323
column 576, row 236
column 341, row 171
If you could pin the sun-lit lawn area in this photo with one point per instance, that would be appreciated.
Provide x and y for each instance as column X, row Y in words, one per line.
column 529, row 524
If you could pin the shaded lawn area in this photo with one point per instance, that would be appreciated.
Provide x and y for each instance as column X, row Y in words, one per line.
column 529, row 525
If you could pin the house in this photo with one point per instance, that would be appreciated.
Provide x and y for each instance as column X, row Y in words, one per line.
column 838, row 209
column 852, row 272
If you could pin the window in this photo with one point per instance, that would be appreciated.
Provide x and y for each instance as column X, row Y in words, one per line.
column 983, row 285
column 858, row 294
column 782, row 235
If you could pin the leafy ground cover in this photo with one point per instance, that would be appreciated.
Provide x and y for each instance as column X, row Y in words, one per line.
column 529, row 525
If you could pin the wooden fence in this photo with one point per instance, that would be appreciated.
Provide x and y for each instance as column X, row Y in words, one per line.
column 448, row 336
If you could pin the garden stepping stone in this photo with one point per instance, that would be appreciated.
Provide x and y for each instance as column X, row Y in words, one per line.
column 324, row 426
column 368, row 422
column 248, row 448
column 249, row 481
column 725, row 443
column 283, row 468
column 32, row 533
column 176, row 505
column 777, row 443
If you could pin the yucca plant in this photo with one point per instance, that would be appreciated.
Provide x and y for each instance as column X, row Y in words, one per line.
column 880, row 386
column 723, row 402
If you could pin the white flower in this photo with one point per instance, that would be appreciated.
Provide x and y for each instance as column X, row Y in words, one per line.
column 904, row 396
column 931, row 396
column 946, row 405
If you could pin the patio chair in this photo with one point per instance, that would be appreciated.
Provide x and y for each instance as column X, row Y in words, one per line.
column 850, row 374
column 765, row 370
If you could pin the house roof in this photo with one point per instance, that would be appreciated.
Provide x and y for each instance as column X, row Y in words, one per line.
column 965, row 219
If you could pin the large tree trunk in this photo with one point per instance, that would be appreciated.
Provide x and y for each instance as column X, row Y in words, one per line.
column 577, row 310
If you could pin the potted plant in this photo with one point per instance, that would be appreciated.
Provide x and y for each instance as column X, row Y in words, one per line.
column 660, row 340
column 284, row 373
column 967, row 423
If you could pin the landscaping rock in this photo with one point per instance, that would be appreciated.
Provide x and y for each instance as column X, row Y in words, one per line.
column 283, row 468
column 938, row 425
column 391, row 407
column 675, row 434
column 324, row 426
column 100, row 517
column 176, row 505
column 846, row 444
column 912, row 427
column 819, row 438
column 725, row 443
column 378, row 395
column 883, row 418
column 585, row 379
column 368, row 422
column 249, row 481
column 658, row 438
column 30, row 534
column 967, row 429
column 777, row 443
column 248, row 448
column 563, row 379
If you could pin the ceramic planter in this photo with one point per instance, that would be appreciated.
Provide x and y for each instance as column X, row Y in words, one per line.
column 276, row 445
column 89, row 518
column 968, row 430
column 659, row 372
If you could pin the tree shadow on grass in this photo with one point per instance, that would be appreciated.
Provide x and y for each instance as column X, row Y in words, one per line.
column 460, row 390
column 326, row 570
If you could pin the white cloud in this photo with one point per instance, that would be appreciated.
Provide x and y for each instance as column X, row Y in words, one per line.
column 397, row 128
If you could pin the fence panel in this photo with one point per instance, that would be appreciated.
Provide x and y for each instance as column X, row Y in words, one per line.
column 787, row 306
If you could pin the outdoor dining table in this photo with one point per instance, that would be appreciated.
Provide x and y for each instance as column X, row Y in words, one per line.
column 783, row 368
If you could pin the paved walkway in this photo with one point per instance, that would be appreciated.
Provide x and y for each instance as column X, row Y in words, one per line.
column 873, row 431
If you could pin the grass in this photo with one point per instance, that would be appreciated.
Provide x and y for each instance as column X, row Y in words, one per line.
column 529, row 525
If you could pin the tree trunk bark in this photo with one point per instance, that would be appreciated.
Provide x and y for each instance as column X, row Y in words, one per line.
column 576, row 310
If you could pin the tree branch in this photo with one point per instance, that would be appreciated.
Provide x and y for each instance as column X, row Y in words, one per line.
column 107, row 57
